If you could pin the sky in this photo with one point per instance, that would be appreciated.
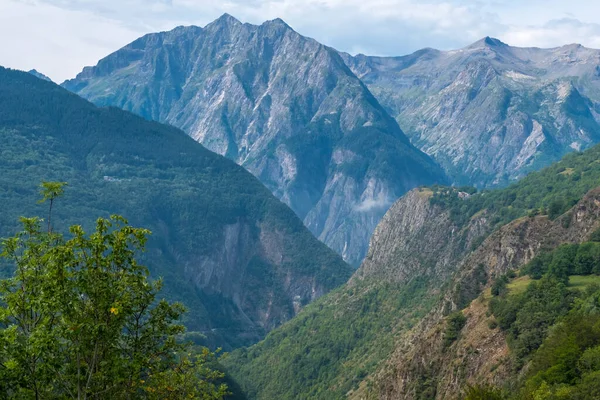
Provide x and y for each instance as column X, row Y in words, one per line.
column 60, row 37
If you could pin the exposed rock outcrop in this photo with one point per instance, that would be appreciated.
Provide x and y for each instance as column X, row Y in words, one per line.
column 416, row 238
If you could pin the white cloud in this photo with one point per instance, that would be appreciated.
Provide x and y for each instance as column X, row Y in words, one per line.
column 370, row 204
column 554, row 33
column 56, row 41
column 59, row 37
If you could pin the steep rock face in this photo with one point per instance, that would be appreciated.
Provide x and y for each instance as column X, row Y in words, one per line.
column 285, row 107
column 481, row 354
column 264, row 289
column 429, row 370
column 490, row 113
column 238, row 258
column 416, row 238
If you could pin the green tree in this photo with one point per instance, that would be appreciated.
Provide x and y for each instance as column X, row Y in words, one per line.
column 595, row 236
column 587, row 258
column 499, row 287
column 590, row 360
column 190, row 378
column 563, row 262
column 80, row 319
column 556, row 208
column 50, row 191
column 538, row 266
column 454, row 325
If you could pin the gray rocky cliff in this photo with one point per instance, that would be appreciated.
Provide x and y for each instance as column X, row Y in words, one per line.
column 416, row 238
column 256, row 276
column 285, row 107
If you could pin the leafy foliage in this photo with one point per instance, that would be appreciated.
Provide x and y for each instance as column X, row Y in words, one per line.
column 528, row 316
column 567, row 365
column 566, row 260
column 482, row 392
column 50, row 191
column 80, row 319
column 499, row 287
column 454, row 325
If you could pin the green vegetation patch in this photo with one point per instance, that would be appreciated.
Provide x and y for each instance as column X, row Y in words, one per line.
column 454, row 325
column 583, row 282
column 552, row 321
column 519, row 285
column 551, row 191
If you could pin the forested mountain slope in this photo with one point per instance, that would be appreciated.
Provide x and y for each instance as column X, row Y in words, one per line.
column 525, row 284
column 235, row 255
column 490, row 113
column 285, row 107
column 330, row 347
column 383, row 334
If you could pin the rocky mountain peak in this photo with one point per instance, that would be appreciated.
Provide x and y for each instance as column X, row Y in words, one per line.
column 488, row 42
column 277, row 22
column 493, row 42
column 574, row 46
column 277, row 28
column 226, row 19
column 225, row 27
column 184, row 30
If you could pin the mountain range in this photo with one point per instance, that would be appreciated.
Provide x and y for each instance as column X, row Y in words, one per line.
column 315, row 125
column 490, row 113
column 285, row 107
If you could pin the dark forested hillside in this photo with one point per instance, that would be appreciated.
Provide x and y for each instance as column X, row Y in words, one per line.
column 235, row 255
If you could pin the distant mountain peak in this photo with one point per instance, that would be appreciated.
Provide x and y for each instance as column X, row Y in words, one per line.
column 488, row 42
column 186, row 28
column 574, row 47
column 277, row 21
column 38, row 74
column 227, row 19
